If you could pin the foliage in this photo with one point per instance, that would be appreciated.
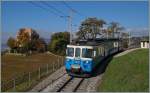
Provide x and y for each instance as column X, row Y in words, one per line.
column 58, row 43
column 114, row 28
column 11, row 43
column 125, row 39
column 125, row 43
column 90, row 28
column 41, row 45
column 22, row 38
column 29, row 40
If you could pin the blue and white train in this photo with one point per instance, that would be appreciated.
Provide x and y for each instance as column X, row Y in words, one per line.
column 83, row 57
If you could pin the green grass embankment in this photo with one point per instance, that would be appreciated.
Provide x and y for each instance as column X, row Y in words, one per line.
column 127, row 73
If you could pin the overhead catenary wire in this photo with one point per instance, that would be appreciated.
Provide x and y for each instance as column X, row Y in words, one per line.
column 69, row 6
column 75, row 11
column 72, row 11
column 48, row 10
column 57, row 12
column 52, row 7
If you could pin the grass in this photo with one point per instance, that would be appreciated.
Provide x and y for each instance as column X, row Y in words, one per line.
column 14, row 66
column 127, row 73
column 25, row 86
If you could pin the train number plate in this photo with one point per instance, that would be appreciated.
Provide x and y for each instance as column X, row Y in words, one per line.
column 76, row 66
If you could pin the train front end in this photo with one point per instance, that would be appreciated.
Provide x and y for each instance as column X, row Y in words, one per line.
column 79, row 60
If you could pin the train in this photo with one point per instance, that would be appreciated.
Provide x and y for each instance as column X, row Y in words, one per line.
column 83, row 56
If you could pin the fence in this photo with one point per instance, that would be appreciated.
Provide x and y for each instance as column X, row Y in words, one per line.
column 25, row 81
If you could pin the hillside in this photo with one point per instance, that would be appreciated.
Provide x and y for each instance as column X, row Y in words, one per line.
column 127, row 73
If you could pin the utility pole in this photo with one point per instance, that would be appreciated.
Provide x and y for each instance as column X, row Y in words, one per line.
column 70, row 24
column 69, row 18
column 107, row 34
column 115, row 32
column 129, row 39
column 118, row 34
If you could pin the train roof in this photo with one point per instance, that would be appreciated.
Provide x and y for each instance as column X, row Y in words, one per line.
column 83, row 46
column 94, row 42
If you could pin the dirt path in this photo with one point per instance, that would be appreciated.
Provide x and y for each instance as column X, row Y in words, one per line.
column 125, row 52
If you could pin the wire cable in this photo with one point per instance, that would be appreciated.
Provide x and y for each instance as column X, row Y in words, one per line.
column 52, row 7
column 75, row 11
column 39, row 6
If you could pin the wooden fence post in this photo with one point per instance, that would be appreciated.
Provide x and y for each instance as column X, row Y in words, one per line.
column 53, row 66
column 14, row 84
column 62, row 61
column 47, row 68
column 58, row 63
column 29, row 78
column 39, row 73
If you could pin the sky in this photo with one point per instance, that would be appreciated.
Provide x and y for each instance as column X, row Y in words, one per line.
column 133, row 15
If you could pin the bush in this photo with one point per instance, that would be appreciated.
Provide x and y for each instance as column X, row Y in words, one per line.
column 58, row 43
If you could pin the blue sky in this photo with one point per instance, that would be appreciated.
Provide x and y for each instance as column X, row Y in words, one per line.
column 15, row 15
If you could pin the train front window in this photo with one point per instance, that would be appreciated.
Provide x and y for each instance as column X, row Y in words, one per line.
column 77, row 53
column 70, row 52
column 87, row 53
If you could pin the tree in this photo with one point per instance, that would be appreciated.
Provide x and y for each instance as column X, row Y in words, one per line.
column 11, row 43
column 114, row 28
column 34, row 39
column 27, row 40
column 90, row 28
column 23, row 40
column 59, row 42
column 125, row 38
column 41, row 45
column 125, row 35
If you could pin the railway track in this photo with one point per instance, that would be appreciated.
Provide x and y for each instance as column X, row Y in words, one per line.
column 72, row 85
column 64, row 84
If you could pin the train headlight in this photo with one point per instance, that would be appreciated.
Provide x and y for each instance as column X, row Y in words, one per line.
column 87, row 62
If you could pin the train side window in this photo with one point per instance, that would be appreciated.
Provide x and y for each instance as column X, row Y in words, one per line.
column 70, row 52
column 95, row 52
column 77, row 53
column 87, row 53
column 99, row 51
column 103, row 51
